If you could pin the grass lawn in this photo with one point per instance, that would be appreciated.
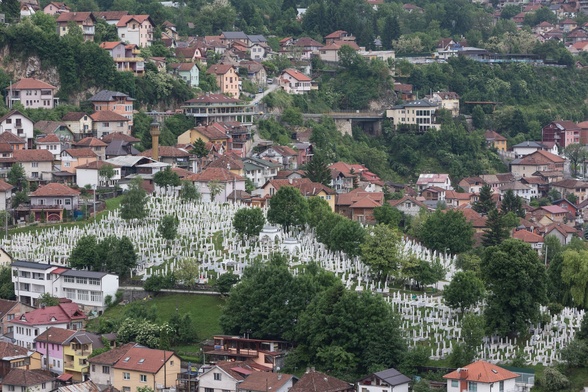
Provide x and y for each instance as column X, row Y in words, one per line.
column 204, row 310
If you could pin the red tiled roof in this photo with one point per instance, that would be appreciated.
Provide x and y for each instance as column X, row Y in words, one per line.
column 32, row 83
column 540, row 157
column 347, row 199
column 51, row 138
column 182, row 67
column 183, row 173
column 214, row 131
column 110, row 45
column 124, row 20
column 10, row 138
column 81, row 153
column 12, row 350
column 492, row 135
column 313, row 381
column 4, row 187
column 219, row 69
column 297, row 75
column 336, row 34
column 119, row 136
column 227, row 162
column 215, row 174
column 73, row 116
column 32, row 156
column 143, row 359
column 54, row 189
column 111, row 15
column 90, row 142
column 554, row 209
column 395, row 203
column 61, row 313
column 483, row 372
column 74, row 16
column 55, row 335
column 112, row 356
column 107, row 115
column 167, row 152
column 527, row 236
column 265, row 381
column 27, row 378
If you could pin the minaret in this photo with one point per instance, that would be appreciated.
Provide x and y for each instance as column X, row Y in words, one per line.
column 155, row 132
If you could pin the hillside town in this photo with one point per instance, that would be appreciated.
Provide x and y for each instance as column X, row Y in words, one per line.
column 312, row 196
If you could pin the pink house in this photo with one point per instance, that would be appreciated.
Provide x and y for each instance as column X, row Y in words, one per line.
column 32, row 94
column 50, row 345
column 55, row 8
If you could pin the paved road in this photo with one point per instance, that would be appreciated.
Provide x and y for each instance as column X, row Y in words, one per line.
column 259, row 97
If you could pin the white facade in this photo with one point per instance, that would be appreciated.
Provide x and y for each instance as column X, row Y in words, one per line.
column 87, row 289
column 102, row 374
column 133, row 32
column 43, row 387
column 382, row 388
column 24, row 336
column 19, row 125
column 294, row 85
column 218, row 380
column 521, row 190
column 221, row 197
column 92, row 177
column 500, row 386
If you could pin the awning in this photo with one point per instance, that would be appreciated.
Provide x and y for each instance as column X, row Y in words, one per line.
column 65, row 377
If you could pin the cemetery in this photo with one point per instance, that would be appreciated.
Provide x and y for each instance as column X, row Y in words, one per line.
column 205, row 236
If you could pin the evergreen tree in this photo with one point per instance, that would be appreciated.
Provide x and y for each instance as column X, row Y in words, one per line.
column 391, row 31
column 199, row 148
column 512, row 203
column 496, row 229
column 485, row 202
column 318, row 171
column 133, row 203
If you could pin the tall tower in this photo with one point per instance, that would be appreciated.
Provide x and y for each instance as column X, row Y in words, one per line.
column 155, row 132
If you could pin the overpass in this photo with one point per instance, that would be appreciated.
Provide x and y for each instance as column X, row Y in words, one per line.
column 370, row 122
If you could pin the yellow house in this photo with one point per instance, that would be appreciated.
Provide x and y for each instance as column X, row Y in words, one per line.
column 213, row 133
column 146, row 367
column 235, row 166
column 496, row 140
column 13, row 356
column 227, row 79
column 76, row 350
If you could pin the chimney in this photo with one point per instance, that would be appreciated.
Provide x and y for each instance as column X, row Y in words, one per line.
column 155, row 132
column 289, row 181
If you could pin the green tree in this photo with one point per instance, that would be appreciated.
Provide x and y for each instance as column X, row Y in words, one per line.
column 577, row 154
column 447, row 232
column 6, row 285
column 292, row 116
column 200, row 149
column 188, row 192
column 48, row 300
column 17, row 177
column 346, row 236
column 288, row 208
column 85, row 254
column 464, row 291
column 380, row 250
column 248, row 222
column 319, row 210
column 554, row 380
column 516, row 282
column 498, row 227
column 168, row 227
column 215, row 187
column 512, row 203
column 187, row 272
column 391, row 31
column 318, row 171
column 167, row 178
column 485, row 202
column 575, row 274
column 225, row 283
column 106, row 173
column 132, row 205
column 117, row 255
column 388, row 215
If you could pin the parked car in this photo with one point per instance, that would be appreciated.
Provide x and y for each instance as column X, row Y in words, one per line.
column 270, row 81
column 260, row 91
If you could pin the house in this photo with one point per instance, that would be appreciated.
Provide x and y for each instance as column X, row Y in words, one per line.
column 224, row 376
column 571, row 186
column 209, row 108
column 555, row 213
column 128, row 164
column 496, row 140
column 110, row 17
column 225, row 183
column 136, row 29
column 106, row 121
column 74, row 157
column 58, row 128
column 89, row 174
column 347, row 176
column 301, row 49
column 481, row 376
column 5, row 195
column 433, row 180
column 172, row 155
column 49, row 202
column 101, row 365
column 282, row 154
column 13, row 356
column 294, row 82
column 433, row 195
column 32, row 94
column 125, row 56
column 120, row 147
column 330, row 52
column 14, row 141
column 230, row 37
column 572, row 209
column 528, row 147
column 563, row 133
column 497, row 180
column 260, row 171
column 234, row 165
column 114, row 101
column 8, row 311
column 88, row 288
column 213, row 133
column 472, row 184
column 227, row 79
column 538, row 161
column 55, row 8
column 535, row 240
column 306, row 187
column 561, row 231
column 305, row 153
column 419, row 114
column 313, row 381
column 31, row 324
column 29, row 380
column 339, row 35
column 446, row 100
column 538, row 184
column 255, row 72
column 359, row 205
column 96, row 145
column 170, row 30
column 520, row 190
column 84, row 20
column 19, row 125
column 72, row 348
column 188, row 72
column 390, row 380
column 408, row 205
column 50, row 143
column 190, row 54
column 459, row 199
column 38, row 164
column 266, row 381
column 79, row 123
column 142, row 366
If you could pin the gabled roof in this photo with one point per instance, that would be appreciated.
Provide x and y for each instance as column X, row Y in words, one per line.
column 32, row 83
column 264, row 381
column 214, row 131
column 5, row 307
column 215, row 174
column 539, row 157
column 570, row 184
column 297, row 75
column 80, row 153
column 9, row 350
column 119, row 136
column 492, row 135
column 428, row 178
column 110, row 45
column 182, row 67
column 528, row 237
column 227, row 162
column 483, row 372
column 75, row 17
column 314, row 381
column 27, row 378
column 143, row 359
column 397, row 202
column 62, row 313
column 90, row 142
column 51, row 138
column 392, row 377
column 167, row 152
column 47, row 127
column 10, row 138
column 32, row 156
column 73, row 116
column 129, row 160
column 307, row 42
column 349, row 198
column 54, row 189
column 554, row 209
column 108, row 96
column 562, row 228
column 96, row 165
column 219, row 69
column 107, row 116
column 234, row 35
column 55, row 335
column 123, row 21
column 113, row 355
column 111, row 15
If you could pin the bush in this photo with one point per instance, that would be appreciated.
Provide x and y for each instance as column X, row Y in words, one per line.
column 554, row 381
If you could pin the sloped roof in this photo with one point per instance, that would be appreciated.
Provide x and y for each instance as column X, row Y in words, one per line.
column 64, row 312
column 307, row 42
column 484, row 372
column 392, row 377
column 73, row 116
column 90, row 142
column 527, row 236
column 74, row 17
column 110, row 45
column 54, row 189
column 27, row 378
column 554, row 209
column 265, row 381
column 124, row 20
column 297, row 75
column 539, row 157
column 119, row 136
column 314, row 381
column 113, row 355
column 213, row 98
column 10, row 138
column 570, row 183
column 143, row 359
column 81, row 153
column 6, row 305
column 107, row 115
column 182, row 67
column 219, row 69
column 492, row 135
column 108, row 96
column 47, row 127
column 347, row 199
column 32, row 83
column 227, row 162
column 55, row 335
column 167, row 152
column 215, row 174
column 110, row 15
column 51, row 138
column 397, row 202
column 9, row 350
column 32, row 156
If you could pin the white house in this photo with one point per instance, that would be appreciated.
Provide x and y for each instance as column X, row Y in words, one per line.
column 390, row 380
column 519, row 189
column 481, row 376
column 266, row 381
column 86, row 288
column 224, row 376
column 408, row 205
column 19, row 125
column 51, row 143
column 294, row 82
column 430, row 180
column 89, row 174
column 260, row 170
column 28, row 380
column 225, row 183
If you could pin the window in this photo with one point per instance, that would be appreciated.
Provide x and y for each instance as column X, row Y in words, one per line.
column 43, row 385
column 105, row 369
column 454, row 384
column 501, row 386
column 93, row 281
column 67, row 202
column 93, row 368
column 217, row 376
column 81, row 281
column 143, row 377
column 96, row 296
column 472, row 386
column 35, row 174
column 83, row 295
column 126, row 376
column 208, row 389
column 11, row 387
column 69, row 279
